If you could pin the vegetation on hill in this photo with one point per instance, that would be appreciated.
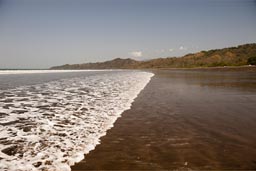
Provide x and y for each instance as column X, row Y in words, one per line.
column 117, row 63
column 234, row 56
column 252, row 60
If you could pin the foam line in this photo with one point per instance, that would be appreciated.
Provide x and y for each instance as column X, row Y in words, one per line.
column 51, row 126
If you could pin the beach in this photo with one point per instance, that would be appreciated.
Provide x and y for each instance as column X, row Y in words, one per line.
column 184, row 119
column 127, row 85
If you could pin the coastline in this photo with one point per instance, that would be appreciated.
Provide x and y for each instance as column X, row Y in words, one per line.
column 219, row 68
column 183, row 120
column 241, row 55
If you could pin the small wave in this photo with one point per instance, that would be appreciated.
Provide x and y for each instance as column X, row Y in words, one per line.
column 51, row 126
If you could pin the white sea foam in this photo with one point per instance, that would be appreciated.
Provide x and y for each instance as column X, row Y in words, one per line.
column 51, row 126
column 5, row 72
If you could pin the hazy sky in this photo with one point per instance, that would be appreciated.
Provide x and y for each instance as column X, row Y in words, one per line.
column 43, row 33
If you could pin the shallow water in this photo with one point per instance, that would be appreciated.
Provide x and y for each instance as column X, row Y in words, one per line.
column 182, row 120
column 48, row 121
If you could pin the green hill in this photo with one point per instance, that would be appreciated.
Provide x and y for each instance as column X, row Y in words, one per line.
column 233, row 56
column 117, row 63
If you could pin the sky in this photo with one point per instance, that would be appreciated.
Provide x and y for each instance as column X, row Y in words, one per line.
column 38, row 34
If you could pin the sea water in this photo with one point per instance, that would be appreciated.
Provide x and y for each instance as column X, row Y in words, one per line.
column 50, row 119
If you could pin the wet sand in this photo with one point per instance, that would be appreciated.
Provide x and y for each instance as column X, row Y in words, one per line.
column 184, row 119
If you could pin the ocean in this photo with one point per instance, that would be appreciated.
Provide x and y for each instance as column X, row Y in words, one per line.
column 50, row 119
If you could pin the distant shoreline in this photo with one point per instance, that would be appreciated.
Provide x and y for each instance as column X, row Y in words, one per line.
column 235, row 68
column 220, row 68
column 227, row 57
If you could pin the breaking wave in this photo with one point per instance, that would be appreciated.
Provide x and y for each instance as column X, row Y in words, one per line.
column 51, row 126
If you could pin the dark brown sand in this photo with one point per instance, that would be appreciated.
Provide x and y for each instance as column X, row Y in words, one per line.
column 184, row 119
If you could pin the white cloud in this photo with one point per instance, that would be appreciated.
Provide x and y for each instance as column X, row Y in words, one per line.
column 182, row 48
column 136, row 53
column 170, row 50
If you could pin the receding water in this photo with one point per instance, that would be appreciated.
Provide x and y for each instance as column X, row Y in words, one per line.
column 184, row 120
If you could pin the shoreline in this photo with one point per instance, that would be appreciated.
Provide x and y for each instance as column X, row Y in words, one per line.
column 243, row 67
column 219, row 68
column 224, row 68
column 183, row 121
